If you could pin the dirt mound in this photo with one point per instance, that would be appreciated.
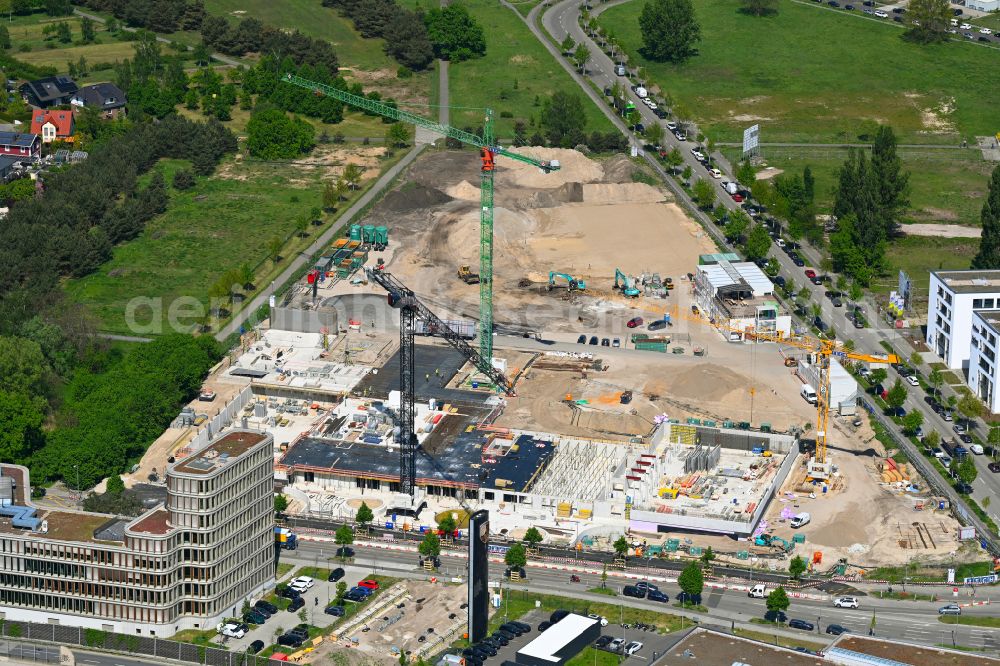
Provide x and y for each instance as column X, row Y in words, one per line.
column 706, row 382
column 565, row 193
column 615, row 193
column 574, row 167
column 619, row 169
column 464, row 190
column 414, row 197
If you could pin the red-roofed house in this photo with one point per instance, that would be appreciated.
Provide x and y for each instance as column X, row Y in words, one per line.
column 53, row 125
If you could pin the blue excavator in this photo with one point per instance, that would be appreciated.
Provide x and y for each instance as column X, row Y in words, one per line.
column 626, row 284
column 775, row 542
column 572, row 283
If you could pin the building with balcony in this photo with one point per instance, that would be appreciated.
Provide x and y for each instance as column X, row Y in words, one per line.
column 953, row 297
column 185, row 564
column 984, row 371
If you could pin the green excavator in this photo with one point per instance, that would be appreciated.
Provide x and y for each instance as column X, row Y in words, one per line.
column 626, row 284
column 572, row 284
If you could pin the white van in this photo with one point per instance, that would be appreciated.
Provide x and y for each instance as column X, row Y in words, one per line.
column 801, row 519
column 641, row 92
column 620, row 70
column 757, row 591
column 809, row 393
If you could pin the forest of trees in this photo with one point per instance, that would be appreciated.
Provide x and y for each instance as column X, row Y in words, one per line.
column 251, row 35
column 157, row 15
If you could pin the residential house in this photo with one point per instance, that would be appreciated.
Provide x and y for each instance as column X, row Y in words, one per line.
column 21, row 144
column 107, row 98
column 53, row 125
column 50, row 91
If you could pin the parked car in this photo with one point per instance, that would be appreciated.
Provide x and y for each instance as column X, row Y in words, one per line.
column 296, row 604
column 912, row 380
column 255, row 647
column 657, row 325
column 967, row 439
column 994, row 467
column 632, row 648
column 594, row 340
column 633, row 591
column 634, row 322
column 836, row 629
column 616, row 644
column 336, row 611
column 603, row 620
column 602, row 642
column 335, row 575
column 254, row 617
column 810, row 273
column 616, row 342
column 605, row 342
column 801, row 624
column 288, row 593
column 582, row 340
column 656, row 595
column 266, row 607
column 302, row 583
column 232, row 630
column 950, row 609
column 963, row 488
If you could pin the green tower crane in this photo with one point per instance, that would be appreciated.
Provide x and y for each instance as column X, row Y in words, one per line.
column 488, row 150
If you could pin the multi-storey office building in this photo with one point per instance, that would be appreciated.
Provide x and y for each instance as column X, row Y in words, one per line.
column 952, row 297
column 183, row 565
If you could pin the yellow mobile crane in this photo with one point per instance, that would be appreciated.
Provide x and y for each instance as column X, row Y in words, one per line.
column 818, row 467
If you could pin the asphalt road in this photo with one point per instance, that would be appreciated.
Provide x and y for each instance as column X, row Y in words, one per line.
column 560, row 19
column 915, row 622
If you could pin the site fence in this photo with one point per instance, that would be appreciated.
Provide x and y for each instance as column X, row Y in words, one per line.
column 144, row 646
column 986, row 537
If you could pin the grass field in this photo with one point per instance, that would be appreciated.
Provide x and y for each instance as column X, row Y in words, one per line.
column 946, row 186
column 808, row 75
column 594, row 657
column 971, row 620
column 218, row 225
column 515, row 72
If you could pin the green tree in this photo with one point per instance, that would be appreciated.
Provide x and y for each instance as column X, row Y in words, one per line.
column 23, row 366
column 22, row 417
column 967, row 471
column 932, row 439
column 447, row 524
column 797, row 567
column 87, row 32
column 913, row 420
column 568, row 45
column 759, row 7
column 746, row 174
column 532, row 537
column 352, row 176
column 397, row 136
column 891, row 182
column 929, row 21
column 736, row 228
column 57, row 7
column 691, row 581
column 563, row 119
column 778, row 601
column 4, row 38
column 343, row 537
column 280, row 503
column 669, row 30
column 430, row 546
column 758, row 243
column 969, row 406
column 341, row 591
column 896, row 395
column 115, row 485
column 620, row 546
column 201, row 55
column 516, row 556
column 707, row 556
column 654, row 134
column 272, row 135
column 879, row 375
column 364, row 516
column 455, row 35
column 772, row 268
column 63, row 33
column 580, row 57
column 675, row 159
column 936, row 379
column 686, row 174
column 988, row 257
column 704, row 193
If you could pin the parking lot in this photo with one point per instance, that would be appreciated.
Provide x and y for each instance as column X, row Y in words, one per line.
column 653, row 644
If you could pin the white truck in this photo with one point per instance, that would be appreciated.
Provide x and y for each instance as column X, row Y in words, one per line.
column 758, row 591
column 800, row 520
column 730, row 187
column 808, row 393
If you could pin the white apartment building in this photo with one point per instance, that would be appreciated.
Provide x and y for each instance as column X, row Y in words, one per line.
column 186, row 565
column 953, row 297
column 741, row 297
column 984, row 371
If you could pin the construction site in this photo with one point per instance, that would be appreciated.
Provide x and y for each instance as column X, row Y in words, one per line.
column 628, row 412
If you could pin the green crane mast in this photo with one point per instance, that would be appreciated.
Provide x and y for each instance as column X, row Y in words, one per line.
column 488, row 149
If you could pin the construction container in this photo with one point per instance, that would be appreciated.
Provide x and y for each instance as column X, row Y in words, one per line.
column 564, row 510
column 340, row 242
column 696, row 551
column 673, row 545
column 381, row 235
column 743, row 555
column 368, row 233
column 652, row 346
column 799, row 537
column 585, row 514
column 355, row 232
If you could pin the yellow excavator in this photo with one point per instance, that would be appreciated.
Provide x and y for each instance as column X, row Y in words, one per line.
column 466, row 275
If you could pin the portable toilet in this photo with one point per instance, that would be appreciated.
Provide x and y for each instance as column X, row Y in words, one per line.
column 799, row 537
column 382, row 235
column 355, row 232
column 369, row 233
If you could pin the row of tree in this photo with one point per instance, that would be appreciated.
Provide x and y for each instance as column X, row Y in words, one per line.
column 157, row 15
column 252, row 35
column 414, row 39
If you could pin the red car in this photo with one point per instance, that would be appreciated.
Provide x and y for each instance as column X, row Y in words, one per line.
column 738, row 198
column 810, row 273
column 634, row 322
column 369, row 583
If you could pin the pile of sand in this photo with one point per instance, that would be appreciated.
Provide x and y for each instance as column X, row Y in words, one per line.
column 574, row 167
column 464, row 190
column 621, row 193
column 706, row 382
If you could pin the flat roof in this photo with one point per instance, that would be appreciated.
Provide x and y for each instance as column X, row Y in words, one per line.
column 704, row 646
column 71, row 526
column 724, row 274
column 155, row 522
column 991, row 318
column 904, row 653
column 970, row 282
column 218, row 453
column 548, row 643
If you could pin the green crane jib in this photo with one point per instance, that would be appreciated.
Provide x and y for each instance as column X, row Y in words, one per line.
column 627, row 285
column 573, row 284
column 488, row 150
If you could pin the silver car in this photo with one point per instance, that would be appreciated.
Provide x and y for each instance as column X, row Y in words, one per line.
column 950, row 609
